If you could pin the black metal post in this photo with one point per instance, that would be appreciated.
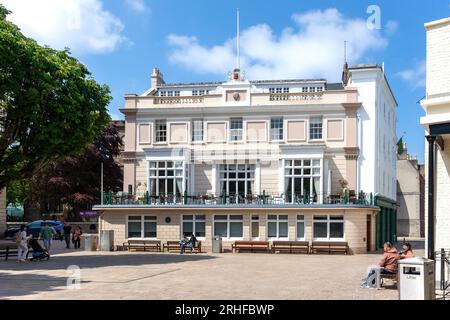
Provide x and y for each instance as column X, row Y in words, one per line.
column 443, row 284
column 431, row 228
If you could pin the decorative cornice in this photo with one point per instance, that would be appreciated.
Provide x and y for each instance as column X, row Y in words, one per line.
column 351, row 153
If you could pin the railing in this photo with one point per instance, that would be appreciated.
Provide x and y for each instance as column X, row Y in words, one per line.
column 296, row 96
column 443, row 260
column 263, row 199
column 179, row 100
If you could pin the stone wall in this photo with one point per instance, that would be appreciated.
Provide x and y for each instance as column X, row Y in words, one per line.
column 355, row 225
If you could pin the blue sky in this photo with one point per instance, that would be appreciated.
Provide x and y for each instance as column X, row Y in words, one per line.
column 121, row 40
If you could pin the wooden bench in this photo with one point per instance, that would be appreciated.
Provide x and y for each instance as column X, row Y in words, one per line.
column 175, row 246
column 11, row 250
column 329, row 247
column 142, row 245
column 252, row 246
column 290, row 247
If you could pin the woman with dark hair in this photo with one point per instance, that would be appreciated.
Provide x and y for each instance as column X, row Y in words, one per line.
column 407, row 251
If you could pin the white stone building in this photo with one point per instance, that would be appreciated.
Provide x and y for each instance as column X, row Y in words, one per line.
column 437, row 129
column 260, row 160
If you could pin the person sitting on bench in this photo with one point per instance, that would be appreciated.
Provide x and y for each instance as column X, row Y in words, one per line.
column 183, row 243
column 407, row 251
column 387, row 265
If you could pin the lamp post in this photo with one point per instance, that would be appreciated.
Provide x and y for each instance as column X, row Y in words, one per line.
column 101, row 187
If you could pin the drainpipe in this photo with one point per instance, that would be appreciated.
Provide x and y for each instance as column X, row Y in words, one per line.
column 431, row 162
column 358, row 161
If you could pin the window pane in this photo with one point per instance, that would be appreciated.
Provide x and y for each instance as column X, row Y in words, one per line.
column 147, row 218
column 255, row 229
column 150, row 230
column 272, row 229
column 134, row 230
column 200, row 229
column 272, row 217
column 200, row 217
column 337, row 230
column 220, row 217
column 188, row 228
column 135, row 218
column 299, row 217
column 283, row 217
column 320, row 230
column 255, row 217
column 236, row 229
column 300, row 230
column 339, row 218
column 236, row 217
column 220, row 229
column 283, row 229
column 320, row 218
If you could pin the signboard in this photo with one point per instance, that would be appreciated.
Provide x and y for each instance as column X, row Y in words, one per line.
column 89, row 214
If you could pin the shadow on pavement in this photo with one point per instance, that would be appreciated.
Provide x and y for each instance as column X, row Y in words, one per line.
column 58, row 262
column 16, row 285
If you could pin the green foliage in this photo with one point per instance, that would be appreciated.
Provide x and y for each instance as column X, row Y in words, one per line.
column 50, row 106
column 18, row 191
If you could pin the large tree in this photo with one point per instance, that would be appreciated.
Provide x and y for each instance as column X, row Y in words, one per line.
column 73, row 184
column 50, row 106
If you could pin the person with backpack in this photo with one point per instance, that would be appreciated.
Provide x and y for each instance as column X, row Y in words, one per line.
column 76, row 237
column 46, row 234
column 22, row 243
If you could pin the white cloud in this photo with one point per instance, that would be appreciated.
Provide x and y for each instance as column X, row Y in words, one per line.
column 137, row 5
column 391, row 27
column 416, row 76
column 82, row 25
column 312, row 49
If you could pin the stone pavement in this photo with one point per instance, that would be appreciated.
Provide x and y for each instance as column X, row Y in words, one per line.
column 123, row 275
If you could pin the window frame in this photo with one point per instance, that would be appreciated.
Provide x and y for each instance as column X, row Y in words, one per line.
column 277, row 221
column 195, row 131
column 159, row 131
column 298, row 220
column 249, row 170
column 239, row 132
column 142, row 222
column 194, row 220
column 228, row 221
column 277, row 130
column 315, row 169
column 177, row 166
column 311, row 134
column 329, row 221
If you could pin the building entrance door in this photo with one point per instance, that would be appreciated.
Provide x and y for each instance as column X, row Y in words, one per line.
column 369, row 233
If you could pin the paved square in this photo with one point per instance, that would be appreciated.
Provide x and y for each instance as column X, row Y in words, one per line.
column 123, row 275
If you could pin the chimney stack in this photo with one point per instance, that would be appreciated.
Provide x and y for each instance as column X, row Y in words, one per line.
column 157, row 78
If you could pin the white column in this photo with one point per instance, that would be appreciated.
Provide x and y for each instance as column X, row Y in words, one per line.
column 214, row 178
column 321, row 182
column 192, row 178
column 183, row 188
column 281, row 176
column 258, row 177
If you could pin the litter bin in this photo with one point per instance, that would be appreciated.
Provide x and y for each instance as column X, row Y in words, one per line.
column 107, row 240
column 90, row 242
column 416, row 279
column 217, row 244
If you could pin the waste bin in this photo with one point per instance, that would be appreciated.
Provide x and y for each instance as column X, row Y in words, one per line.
column 416, row 279
column 90, row 242
column 107, row 240
column 217, row 244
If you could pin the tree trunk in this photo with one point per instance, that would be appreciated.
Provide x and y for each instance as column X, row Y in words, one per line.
column 31, row 211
